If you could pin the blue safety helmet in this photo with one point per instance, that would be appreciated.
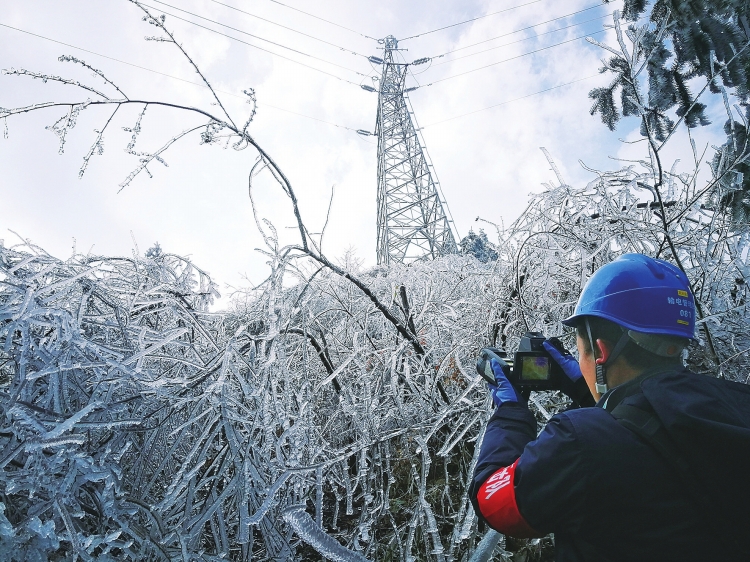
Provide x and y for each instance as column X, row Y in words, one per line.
column 639, row 293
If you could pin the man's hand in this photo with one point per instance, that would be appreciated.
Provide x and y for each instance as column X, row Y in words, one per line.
column 503, row 391
column 564, row 358
column 573, row 384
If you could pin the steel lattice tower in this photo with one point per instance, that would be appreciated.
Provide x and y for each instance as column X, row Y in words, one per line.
column 412, row 223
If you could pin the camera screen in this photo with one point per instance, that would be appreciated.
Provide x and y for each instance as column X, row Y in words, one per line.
column 535, row 368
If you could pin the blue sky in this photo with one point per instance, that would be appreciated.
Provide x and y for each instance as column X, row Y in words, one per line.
column 488, row 162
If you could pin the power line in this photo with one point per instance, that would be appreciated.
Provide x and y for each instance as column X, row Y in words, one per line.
column 201, row 85
column 521, row 40
column 470, row 20
column 518, row 31
column 257, row 47
column 285, row 27
column 323, row 19
column 306, row 116
column 244, row 33
column 510, row 101
column 514, row 58
column 254, row 46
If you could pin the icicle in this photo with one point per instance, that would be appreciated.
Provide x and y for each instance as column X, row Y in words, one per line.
column 319, row 496
column 432, row 528
column 349, row 493
column 461, row 431
column 535, row 401
column 410, row 538
column 468, row 523
column 68, row 424
column 59, row 442
column 335, row 518
column 245, row 532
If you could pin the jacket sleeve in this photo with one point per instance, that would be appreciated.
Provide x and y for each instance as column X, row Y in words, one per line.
column 527, row 487
column 509, row 430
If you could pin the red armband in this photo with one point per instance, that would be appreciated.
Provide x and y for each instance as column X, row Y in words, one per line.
column 497, row 502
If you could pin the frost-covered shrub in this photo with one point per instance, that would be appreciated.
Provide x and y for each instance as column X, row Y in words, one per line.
column 138, row 425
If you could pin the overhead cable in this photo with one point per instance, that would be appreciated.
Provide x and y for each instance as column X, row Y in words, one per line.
column 470, row 20
column 517, row 31
column 244, row 33
column 514, row 58
column 286, row 27
column 257, row 47
column 306, row 116
column 509, row 101
column 520, row 40
column 199, row 84
column 323, row 19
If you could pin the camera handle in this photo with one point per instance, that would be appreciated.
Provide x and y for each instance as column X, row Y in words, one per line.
column 483, row 362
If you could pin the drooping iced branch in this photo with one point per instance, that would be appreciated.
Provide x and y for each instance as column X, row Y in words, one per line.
column 66, row 123
column 98, row 146
column 402, row 329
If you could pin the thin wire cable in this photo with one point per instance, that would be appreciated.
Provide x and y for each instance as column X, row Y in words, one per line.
column 524, row 39
column 201, row 85
column 510, row 101
column 244, row 33
column 285, row 27
column 514, row 58
column 323, row 19
column 307, row 117
column 255, row 46
column 517, row 31
column 469, row 21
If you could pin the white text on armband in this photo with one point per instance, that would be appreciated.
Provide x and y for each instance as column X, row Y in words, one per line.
column 496, row 482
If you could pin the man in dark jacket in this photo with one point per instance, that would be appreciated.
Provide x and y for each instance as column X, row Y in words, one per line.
column 659, row 469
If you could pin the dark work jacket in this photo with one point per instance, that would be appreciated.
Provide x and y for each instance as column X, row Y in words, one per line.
column 606, row 493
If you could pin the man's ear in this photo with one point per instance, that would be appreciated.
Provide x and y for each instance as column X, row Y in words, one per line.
column 603, row 351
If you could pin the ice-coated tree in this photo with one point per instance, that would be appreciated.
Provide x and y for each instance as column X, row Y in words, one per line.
column 479, row 246
column 703, row 44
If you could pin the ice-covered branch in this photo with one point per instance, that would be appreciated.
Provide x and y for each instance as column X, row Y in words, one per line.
column 159, row 23
column 51, row 78
column 317, row 538
column 70, row 58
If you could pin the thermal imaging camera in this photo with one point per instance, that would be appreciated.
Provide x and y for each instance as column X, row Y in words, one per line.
column 532, row 368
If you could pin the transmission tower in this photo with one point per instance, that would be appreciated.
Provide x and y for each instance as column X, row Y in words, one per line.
column 412, row 222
